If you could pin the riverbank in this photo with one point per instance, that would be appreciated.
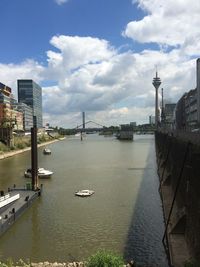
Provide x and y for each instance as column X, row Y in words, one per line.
column 4, row 155
column 60, row 264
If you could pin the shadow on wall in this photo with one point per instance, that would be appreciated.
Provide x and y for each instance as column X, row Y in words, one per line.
column 144, row 239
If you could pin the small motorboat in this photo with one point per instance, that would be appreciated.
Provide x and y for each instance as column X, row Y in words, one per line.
column 42, row 173
column 47, row 151
column 84, row 193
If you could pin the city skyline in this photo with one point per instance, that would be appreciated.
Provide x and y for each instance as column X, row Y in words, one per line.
column 100, row 56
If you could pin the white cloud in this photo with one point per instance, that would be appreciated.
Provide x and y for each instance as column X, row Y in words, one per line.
column 168, row 22
column 29, row 69
column 109, row 86
column 60, row 2
column 115, row 87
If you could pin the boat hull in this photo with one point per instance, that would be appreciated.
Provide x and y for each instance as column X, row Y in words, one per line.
column 84, row 193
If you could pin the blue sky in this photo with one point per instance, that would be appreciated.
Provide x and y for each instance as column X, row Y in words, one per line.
column 99, row 56
column 27, row 26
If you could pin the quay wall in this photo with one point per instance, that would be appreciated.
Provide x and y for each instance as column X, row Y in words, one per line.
column 178, row 161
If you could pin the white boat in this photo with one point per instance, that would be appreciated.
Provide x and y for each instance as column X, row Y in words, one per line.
column 47, row 151
column 7, row 199
column 42, row 173
column 84, row 193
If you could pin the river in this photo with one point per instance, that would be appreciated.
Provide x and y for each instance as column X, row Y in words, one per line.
column 124, row 215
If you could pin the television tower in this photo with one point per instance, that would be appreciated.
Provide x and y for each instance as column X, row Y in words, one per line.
column 156, row 83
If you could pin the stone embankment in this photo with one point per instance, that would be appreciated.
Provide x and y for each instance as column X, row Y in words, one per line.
column 4, row 155
column 178, row 160
column 58, row 264
column 63, row 264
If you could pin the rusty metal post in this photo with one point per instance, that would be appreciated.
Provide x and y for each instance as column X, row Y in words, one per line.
column 34, row 155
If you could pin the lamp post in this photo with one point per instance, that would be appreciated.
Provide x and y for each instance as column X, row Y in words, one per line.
column 156, row 83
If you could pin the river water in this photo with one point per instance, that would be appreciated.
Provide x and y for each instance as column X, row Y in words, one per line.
column 124, row 215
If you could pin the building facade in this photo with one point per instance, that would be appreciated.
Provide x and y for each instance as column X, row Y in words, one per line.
column 8, row 116
column 27, row 112
column 169, row 111
column 30, row 93
column 188, row 107
column 5, row 106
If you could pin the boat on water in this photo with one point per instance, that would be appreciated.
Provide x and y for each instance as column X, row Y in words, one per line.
column 7, row 199
column 47, row 151
column 42, row 173
column 84, row 193
column 125, row 133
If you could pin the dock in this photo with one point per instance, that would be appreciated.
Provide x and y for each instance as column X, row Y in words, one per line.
column 19, row 201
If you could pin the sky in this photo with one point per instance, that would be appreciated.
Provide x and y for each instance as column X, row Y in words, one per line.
column 100, row 56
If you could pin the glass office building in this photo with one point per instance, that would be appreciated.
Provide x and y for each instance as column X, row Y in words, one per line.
column 30, row 93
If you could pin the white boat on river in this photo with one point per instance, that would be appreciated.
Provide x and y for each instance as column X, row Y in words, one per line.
column 47, row 151
column 42, row 173
column 84, row 193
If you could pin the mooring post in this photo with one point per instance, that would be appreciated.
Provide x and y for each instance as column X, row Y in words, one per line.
column 34, row 155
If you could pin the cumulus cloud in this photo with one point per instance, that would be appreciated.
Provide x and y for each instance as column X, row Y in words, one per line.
column 171, row 23
column 111, row 86
column 28, row 69
column 60, row 2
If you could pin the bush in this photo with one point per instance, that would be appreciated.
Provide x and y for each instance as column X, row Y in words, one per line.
column 192, row 263
column 104, row 259
column 10, row 263
column 3, row 148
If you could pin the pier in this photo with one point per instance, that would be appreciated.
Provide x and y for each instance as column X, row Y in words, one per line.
column 20, row 200
column 17, row 200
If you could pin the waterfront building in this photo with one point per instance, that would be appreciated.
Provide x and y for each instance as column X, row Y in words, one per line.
column 169, row 115
column 30, row 93
column 151, row 119
column 5, row 94
column 5, row 105
column 191, row 109
column 198, row 90
column 27, row 112
column 187, row 111
column 188, row 107
column 180, row 118
column 17, row 120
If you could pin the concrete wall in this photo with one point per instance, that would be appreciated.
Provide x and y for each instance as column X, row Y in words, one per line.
column 174, row 173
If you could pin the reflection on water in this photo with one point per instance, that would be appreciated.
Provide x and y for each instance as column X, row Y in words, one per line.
column 124, row 214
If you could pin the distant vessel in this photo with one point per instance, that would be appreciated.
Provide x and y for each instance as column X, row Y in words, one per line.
column 84, row 193
column 47, row 151
column 125, row 133
column 42, row 173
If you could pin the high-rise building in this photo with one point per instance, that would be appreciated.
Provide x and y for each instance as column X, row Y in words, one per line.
column 30, row 93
